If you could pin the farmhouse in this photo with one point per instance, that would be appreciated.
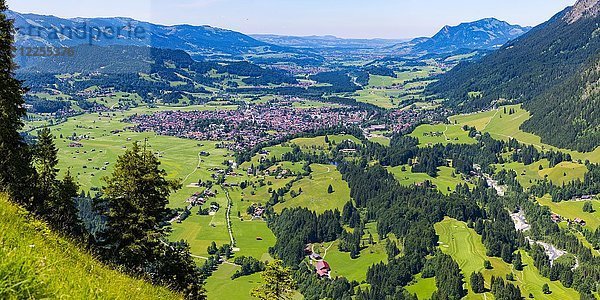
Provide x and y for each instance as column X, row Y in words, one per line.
column 323, row 268
column 579, row 221
column 556, row 218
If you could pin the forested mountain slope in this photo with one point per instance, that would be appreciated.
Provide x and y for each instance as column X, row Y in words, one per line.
column 553, row 70
column 35, row 263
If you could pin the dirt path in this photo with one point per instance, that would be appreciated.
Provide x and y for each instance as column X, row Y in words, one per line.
column 196, row 169
column 490, row 121
column 228, row 216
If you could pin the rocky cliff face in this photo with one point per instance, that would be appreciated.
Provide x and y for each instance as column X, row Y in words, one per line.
column 583, row 9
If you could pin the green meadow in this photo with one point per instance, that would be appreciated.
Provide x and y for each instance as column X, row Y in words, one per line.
column 466, row 248
column 314, row 194
column 422, row 287
column 503, row 126
column 102, row 145
column 574, row 209
column 381, row 140
column 561, row 173
column 356, row 269
column 318, row 143
column 200, row 231
column 446, row 183
column 444, row 134
column 220, row 286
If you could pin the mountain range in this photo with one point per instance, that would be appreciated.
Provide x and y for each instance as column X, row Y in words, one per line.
column 485, row 34
column 553, row 70
column 210, row 43
column 201, row 42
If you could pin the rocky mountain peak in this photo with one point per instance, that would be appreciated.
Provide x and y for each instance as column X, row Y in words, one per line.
column 583, row 9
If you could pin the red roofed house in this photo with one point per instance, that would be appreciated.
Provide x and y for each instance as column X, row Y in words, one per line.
column 323, row 268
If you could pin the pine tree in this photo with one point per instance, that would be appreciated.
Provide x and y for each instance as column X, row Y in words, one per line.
column 46, row 160
column 518, row 262
column 546, row 289
column 477, row 282
column 64, row 213
column 278, row 283
column 330, row 189
column 136, row 194
column 55, row 199
column 16, row 171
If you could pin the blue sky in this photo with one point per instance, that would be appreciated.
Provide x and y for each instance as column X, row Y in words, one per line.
column 343, row 18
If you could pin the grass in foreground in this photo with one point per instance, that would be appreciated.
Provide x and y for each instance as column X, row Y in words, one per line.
column 35, row 263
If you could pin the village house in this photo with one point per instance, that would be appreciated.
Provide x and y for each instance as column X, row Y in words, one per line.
column 556, row 218
column 579, row 221
column 323, row 268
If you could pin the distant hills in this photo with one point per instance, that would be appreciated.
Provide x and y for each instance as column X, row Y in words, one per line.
column 553, row 69
column 201, row 42
column 327, row 41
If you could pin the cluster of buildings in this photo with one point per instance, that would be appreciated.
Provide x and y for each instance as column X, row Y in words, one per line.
column 556, row 218
column 403, row 120
column 246, row 127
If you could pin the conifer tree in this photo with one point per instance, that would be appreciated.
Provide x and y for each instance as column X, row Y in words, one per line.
column 16, row 172
column 137, row 193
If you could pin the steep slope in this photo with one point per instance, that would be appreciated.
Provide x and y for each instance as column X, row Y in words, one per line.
column 552, row 69
column 37, row 264
column 482, row 34
column 203, row 42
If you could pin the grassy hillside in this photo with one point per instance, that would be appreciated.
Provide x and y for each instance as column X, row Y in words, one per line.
column 314, row 194
column 36, row 263
column 503, row 125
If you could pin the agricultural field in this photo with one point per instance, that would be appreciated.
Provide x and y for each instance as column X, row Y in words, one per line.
column 503, row 126
column 466, row 248
column 444, row 134
column 314, row 194
column 574, row 209
column 200, row 231
column 220, row 285
column 445, row 182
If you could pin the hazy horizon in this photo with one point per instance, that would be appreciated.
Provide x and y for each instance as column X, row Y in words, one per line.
column 337, row 18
